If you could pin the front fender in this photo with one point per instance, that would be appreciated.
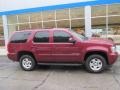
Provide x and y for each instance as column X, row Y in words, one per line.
column 97, row 48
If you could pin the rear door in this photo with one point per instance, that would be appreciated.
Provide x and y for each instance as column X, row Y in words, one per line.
column 41, row 46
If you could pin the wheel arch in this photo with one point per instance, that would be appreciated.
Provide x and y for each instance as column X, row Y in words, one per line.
column 102, row 53
column 20, row 53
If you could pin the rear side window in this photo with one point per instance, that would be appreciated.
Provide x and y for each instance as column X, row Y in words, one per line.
column 61, row 36
column 41, row 37
column 20, row 37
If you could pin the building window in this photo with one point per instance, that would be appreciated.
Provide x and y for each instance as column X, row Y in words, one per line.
column 98, row 21
column 24, row 26
column 49, row 24
column 12, row 28
column 23, row 18
column 77, row 20
column 35, row 17
column 63, row 24
column 36, row 25
column 2, row 41
column 114, row 9
column 48, row 15
column 77, row 13
column 12, row 24
column 78, row 25
column 114, row 28
column 99, row 27
column 106, row 21
column 62, row 14
column 98, row 11
column 12, row 19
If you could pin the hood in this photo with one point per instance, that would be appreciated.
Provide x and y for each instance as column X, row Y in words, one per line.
column 99, row 41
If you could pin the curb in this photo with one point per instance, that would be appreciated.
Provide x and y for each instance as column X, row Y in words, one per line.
column 3, row 55
column 3, row 52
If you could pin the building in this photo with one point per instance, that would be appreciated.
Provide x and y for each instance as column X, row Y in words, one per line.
column 101, row 17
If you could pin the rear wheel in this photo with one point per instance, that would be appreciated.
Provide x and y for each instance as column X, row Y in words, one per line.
column 27, row 62
column 95, row 63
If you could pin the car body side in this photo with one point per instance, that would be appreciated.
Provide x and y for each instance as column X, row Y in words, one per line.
column 84, row 48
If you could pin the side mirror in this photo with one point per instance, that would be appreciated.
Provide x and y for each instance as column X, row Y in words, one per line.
column 72, row 40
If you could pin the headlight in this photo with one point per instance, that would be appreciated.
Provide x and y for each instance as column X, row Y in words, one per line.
column 113, row 48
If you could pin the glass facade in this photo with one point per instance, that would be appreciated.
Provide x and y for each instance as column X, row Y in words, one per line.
column 66, row 18
column 2, row 41
column 105, row 20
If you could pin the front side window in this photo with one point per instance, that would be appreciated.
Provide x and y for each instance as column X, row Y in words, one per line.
column 41, row 37
column 61, row 36
column 20, row 37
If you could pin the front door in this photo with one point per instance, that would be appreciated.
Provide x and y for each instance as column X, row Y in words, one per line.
column 63, row 50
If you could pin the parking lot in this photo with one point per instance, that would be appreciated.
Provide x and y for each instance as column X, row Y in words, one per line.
column 56, row 77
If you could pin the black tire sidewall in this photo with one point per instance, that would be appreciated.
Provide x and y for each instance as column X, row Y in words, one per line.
column 30, row 58
column 87, row 63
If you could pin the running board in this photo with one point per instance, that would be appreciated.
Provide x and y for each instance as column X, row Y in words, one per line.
column 61, row 64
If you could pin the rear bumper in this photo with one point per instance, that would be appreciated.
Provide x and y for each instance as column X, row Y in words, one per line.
column 113, row 57
column 12, row 56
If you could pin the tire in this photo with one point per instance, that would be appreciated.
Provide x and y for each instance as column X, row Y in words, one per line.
column 27, row 62
column 95, row 63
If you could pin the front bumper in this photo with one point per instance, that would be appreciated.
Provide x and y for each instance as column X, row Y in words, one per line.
column 113, row 57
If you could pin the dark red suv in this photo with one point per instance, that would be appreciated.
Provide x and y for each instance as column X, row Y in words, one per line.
column 60, row 46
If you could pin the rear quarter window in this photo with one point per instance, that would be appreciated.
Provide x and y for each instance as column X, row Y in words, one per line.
column 20, row 37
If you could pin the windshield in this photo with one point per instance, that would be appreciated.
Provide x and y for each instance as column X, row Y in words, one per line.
column 78, row 35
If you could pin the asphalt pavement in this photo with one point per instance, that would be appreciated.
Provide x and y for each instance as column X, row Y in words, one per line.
column 12, row 77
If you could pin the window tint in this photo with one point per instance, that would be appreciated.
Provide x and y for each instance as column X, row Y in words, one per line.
column 61, row 36
column 20, row 37
column 42, row 37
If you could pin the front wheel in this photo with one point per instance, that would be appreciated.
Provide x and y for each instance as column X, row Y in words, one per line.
column 27, row 62
column 95, row 63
